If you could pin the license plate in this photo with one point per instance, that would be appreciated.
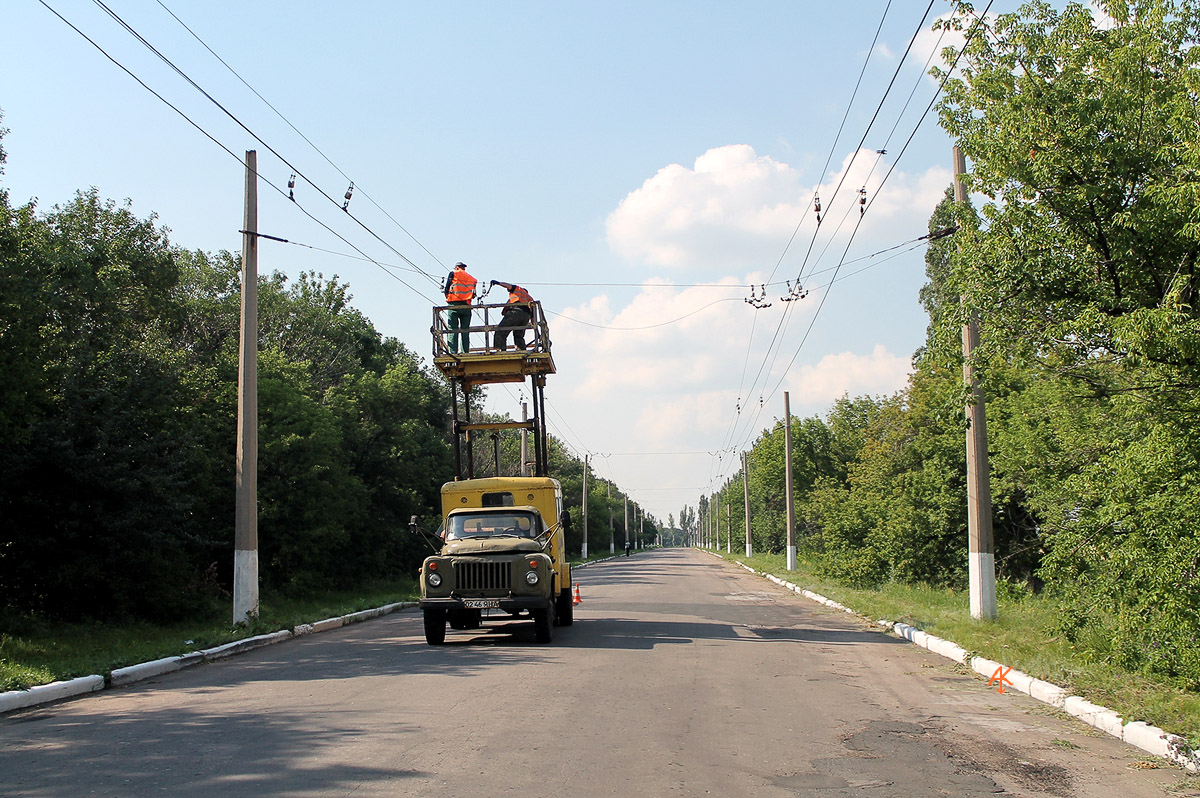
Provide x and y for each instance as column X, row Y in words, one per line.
column 481, row 604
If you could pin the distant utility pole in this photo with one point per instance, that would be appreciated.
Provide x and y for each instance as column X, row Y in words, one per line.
column 746, row 489
column 787, row 466
column 641, row 528
column 981, row 565
column 245, row 535
column 715, row 512
column 583, row 553
column 728, row 531
column 627, row 521
column 525, row 445
column 612, row 528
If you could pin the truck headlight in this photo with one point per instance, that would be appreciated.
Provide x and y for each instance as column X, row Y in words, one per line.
column 531, row 577
column 434, row 580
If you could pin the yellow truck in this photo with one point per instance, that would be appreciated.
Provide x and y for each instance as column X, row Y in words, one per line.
column 502, row 554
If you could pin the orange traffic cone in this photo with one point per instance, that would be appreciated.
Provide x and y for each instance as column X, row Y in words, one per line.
column 577, row 599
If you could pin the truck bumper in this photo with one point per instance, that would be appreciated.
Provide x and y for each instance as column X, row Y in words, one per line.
column 508, row 604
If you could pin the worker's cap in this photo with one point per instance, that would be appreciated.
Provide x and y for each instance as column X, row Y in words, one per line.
column 460, row 265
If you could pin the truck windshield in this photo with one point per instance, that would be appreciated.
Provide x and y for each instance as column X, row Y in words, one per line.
column 486, row 525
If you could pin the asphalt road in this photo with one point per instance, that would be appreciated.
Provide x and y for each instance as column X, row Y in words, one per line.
column 682, row 676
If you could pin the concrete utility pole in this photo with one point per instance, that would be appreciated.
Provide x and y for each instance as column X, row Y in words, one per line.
column 787, row 464
column 981, row 565
column 716, row 521
column 245, row 535
column 641, row 528
column 583, row 553
column 728, row 531
column 627, row 521
column 746, row 489
column 708, row 524
column 612, row 527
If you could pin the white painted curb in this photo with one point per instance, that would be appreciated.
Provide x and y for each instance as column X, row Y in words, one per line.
column 1095, row 716
column 56, row 691
column 594, row 562
column 329, row 623
column 1150, row 739
column 45, row 693
column 247, row 644
column 145, row 670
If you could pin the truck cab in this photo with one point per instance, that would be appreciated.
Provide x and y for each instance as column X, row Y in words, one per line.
column 503, row 551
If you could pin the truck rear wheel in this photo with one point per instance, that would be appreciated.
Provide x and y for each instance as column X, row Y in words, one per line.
column 435, row 627
column 565, row 608
column 543, row 625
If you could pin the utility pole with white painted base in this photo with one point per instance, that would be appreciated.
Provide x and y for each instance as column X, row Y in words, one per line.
column 787, row 459
column 746, row 489
column 245, row 536
column 981, row 565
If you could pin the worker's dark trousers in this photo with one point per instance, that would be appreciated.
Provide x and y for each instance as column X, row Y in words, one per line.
column 514, row 320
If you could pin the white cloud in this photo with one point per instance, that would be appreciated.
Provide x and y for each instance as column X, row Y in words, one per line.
column 733, row 208
column 703, row 416
column 664, row 339
column 878, row 373
column 929, row 44
column 662, row 368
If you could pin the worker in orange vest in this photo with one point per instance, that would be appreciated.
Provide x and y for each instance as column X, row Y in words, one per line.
column 516, row 316
column 460, row 291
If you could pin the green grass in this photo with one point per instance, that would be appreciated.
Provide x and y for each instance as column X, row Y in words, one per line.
column 1022, row 637
column 35, row 651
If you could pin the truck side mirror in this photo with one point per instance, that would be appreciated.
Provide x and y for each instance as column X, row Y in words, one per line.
column 412, row 525
column 566, row 519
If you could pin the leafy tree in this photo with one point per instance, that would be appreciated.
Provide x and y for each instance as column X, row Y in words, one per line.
column 1083, row 140
column 97, row 465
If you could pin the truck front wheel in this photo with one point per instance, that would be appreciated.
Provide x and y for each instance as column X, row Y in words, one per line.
column 543, row 624
column 435, row 627
column 565, row 608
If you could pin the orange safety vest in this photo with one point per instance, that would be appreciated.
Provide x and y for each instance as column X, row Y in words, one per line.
column 519, row 294
column 462, row 287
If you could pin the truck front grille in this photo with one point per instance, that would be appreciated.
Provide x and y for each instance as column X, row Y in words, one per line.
column 483, row 575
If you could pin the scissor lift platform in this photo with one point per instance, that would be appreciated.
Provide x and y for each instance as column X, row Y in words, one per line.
column 484, row 363
column 477, row 368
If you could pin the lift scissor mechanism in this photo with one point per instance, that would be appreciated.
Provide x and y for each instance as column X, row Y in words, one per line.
column 487, row 364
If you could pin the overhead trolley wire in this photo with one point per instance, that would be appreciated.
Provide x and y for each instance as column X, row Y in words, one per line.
column 215, row 140
column 929, row 107
column 648, row 326
column 769, row 356
column 116, row 17
column 297, row 130
column 841, row 126
column 730, row 433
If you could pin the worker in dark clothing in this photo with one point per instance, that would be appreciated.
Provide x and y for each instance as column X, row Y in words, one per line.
column 515, row 318
column 459, row 290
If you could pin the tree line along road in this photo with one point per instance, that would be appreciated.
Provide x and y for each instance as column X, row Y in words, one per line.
column 682, row 676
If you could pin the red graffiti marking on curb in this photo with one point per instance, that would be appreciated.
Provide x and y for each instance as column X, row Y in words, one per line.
column 1000, row 677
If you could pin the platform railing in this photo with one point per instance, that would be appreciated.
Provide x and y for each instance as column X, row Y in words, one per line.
column 481, row 338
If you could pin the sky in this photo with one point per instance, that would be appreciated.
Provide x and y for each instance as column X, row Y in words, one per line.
column 637, row 166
